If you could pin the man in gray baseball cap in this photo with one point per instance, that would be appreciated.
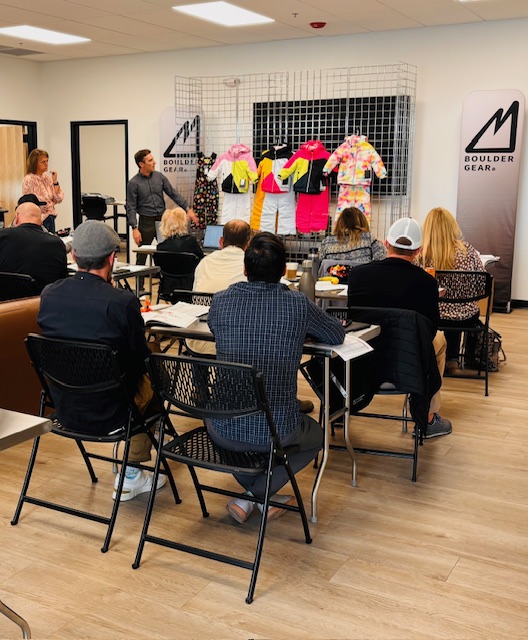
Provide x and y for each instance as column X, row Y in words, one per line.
column 87, row 307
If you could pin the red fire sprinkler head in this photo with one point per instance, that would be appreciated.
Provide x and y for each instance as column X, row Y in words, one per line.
column 317, row 25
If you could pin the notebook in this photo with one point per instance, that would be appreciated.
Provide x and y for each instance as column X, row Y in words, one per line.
column 213, row 233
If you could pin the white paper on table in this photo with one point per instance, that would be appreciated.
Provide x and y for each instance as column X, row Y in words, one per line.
column 488, row 259
column 352, row 347
column 326, row 285
column 344, row 292
column 181, row 314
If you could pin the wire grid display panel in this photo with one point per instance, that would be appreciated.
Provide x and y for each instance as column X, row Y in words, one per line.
column 261, row 110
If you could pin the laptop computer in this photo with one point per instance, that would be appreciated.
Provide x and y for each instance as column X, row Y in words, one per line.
column 213, row 233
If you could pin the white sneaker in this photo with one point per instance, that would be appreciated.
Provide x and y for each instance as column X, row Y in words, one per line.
column 240, row 509
column 141, row 483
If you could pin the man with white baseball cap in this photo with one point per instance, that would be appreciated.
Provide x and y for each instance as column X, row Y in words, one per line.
column 87, row 307
column 399, row 284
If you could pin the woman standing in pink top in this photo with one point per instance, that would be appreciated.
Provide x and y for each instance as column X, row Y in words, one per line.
column 44, row 185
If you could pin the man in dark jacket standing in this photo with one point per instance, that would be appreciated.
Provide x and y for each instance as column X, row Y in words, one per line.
column 398, row 283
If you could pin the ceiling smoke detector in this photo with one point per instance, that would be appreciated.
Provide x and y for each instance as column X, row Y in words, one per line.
column 317, row 25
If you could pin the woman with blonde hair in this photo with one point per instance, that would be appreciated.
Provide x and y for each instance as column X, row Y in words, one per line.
column 352, row 240
column 444, row 248
column 44, row 185
column 173, row 228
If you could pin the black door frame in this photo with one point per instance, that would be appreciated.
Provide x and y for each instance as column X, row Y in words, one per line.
column 30, row 138
column 76, row 160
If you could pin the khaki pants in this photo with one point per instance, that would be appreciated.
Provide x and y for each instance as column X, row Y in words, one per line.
column 439, row 344
column 141, row 445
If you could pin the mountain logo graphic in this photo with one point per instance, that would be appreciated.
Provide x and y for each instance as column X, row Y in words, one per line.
column 499, row 121
column 179, row 147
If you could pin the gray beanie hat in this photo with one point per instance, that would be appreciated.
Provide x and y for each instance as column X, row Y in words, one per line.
column 94, row 239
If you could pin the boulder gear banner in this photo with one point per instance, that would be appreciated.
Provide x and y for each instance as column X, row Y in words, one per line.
column 488, row 180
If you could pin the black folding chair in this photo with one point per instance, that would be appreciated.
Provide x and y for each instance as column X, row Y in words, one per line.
column 177, row 272
column 94, row 208
column 14, row 286
column 462, row 287
column 402, row 363
column 206, row 389
column 86, row 372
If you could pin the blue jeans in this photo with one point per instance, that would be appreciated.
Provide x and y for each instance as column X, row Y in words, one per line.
column 49, row 224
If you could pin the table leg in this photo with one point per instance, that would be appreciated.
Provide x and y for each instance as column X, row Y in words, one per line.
column 326, row 438
column 14, row 617
column 349, row 446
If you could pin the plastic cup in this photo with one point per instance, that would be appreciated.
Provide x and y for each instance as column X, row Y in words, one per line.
column 291, row 270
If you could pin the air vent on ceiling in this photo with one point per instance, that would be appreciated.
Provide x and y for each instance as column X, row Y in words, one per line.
column 9, row 51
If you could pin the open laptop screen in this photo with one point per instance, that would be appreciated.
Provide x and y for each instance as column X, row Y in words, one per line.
column 212, row 236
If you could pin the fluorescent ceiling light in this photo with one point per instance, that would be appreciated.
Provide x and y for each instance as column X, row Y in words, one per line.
column 41, row 35
column 223, row 13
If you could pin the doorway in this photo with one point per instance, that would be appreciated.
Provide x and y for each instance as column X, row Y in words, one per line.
column 17, row 139
column 99, row 154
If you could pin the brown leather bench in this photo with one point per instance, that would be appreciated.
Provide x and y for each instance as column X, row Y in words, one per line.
column 19, row 385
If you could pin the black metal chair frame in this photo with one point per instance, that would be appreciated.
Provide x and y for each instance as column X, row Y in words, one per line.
column 346, row 313
column 14, row 286
column 69, row 365
column 168, row 263
column 469, row 286
column 206, row 389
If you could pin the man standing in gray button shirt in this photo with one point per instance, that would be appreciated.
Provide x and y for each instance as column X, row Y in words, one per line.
column 145, row 200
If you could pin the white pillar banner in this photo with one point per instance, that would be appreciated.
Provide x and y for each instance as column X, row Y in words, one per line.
column 488, row 181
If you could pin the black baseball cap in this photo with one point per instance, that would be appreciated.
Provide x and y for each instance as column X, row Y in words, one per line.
column 31, row 197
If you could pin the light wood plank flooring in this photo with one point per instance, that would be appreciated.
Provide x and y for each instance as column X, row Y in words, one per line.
column 443, row 558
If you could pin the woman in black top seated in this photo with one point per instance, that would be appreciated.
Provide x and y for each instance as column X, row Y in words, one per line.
column 174, row 229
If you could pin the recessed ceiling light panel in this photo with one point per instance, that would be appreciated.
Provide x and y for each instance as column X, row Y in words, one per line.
column 25, row 32
column 223, row 13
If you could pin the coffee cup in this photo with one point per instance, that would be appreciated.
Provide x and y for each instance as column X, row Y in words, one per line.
column 291, row 270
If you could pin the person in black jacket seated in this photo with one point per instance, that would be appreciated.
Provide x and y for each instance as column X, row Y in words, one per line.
column 29, row 249
column 397, row 283
column 174, row 229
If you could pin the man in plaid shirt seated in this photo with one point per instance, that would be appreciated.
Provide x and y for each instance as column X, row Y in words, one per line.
column 263, row 323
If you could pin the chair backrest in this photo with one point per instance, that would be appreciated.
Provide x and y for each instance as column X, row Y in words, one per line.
column 204, row 388
column 93, row 207
column 403, row 352
column 326, row 268
column 14, row 286
column 82, row 382
column 465, row 286
column 177, row 271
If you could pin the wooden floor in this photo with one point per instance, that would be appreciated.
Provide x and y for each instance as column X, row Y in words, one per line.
column 446, row 557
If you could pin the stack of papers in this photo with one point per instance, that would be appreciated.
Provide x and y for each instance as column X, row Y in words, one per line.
column 352, row 347
column 181, row 314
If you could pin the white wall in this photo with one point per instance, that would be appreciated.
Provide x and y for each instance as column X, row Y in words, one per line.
column 452, row 61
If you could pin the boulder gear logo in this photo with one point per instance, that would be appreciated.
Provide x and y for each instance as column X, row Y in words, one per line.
column 181, row 139
column 179, row 142
column 488, row 179
column 499, row 120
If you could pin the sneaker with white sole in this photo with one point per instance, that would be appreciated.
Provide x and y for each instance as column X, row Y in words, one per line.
column 437, row 427
column 277, row 512
column 141, row 483
column 240, row 509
